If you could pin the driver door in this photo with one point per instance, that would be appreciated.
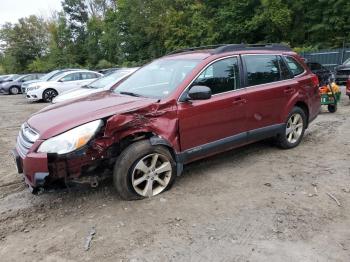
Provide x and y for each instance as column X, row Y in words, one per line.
column 216, row 124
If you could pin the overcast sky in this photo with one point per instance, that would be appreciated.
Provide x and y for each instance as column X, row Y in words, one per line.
column 12, row 10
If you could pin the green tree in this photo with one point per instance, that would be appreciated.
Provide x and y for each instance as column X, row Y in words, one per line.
column 23, row 42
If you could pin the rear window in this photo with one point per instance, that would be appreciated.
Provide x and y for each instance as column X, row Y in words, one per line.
column 262, row 69
column 294, row 66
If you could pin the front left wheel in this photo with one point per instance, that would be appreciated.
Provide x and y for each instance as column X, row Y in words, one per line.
column 14, row 90
column 143, row 170
column 49, row 94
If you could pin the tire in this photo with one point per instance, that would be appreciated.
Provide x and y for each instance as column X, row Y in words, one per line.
column 292, row 136
column 131, row 171
column 332, row 108
column 49, row 94
column 14, row 90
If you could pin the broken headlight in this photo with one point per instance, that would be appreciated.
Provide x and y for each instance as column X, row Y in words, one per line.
column 71, row 140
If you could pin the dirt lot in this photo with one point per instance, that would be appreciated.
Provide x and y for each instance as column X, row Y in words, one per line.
column 256, row 203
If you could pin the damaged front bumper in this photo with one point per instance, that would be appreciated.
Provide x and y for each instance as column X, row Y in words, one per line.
column 33, row 169
column 48, row 171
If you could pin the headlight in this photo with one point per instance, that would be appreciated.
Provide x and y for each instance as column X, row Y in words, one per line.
column 71, row 140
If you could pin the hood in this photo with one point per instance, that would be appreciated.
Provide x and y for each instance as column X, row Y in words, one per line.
column 343, row 67
column 31, row 82
column 76, row 93
column 58, row 118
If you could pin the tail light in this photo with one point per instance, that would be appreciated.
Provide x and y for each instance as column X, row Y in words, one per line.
column 315, row 80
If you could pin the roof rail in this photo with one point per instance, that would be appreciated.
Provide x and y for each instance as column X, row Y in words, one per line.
column 240, row 47
column 223, row 48
column 196, row 48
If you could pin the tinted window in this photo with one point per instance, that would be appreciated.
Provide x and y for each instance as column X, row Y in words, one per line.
column 262, row 69
column 294, row 66
column 221, row 76
column 87, row 75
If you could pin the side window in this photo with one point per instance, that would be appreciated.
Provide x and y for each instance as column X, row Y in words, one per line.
column 87, row 75
column 70, row 77
column 262, row 69
column 285, row 73
column 294, row 66
column 221, row 76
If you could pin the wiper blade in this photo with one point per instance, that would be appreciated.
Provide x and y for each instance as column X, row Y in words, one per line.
column 130, row 94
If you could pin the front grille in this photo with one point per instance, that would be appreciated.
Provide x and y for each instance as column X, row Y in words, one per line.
column 343, row 72
column 25, row 140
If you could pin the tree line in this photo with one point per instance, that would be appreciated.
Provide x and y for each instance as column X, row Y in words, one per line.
column 106, row 33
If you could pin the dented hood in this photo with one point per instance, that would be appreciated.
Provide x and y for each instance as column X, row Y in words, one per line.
column 58, row 118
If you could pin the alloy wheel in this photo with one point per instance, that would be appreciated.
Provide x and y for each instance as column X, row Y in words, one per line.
column 295, row 127
column 14, row 91
column 49, row 95
column 151, row 175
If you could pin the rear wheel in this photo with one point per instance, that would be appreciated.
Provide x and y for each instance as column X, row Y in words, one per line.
column 14, row 90
column 49, row 94
column 333, row 108
column 294, row 129
column 143, row 170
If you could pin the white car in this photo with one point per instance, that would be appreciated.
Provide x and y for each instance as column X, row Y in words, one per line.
column 59, row 84
column 102, row 84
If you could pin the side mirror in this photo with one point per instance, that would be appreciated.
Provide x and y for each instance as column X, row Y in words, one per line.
column 199, row 93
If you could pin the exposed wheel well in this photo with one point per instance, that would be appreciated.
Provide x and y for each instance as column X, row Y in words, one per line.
column 50, row 88
column 117, row 148
column 305, row 108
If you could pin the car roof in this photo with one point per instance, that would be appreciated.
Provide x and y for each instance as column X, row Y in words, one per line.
column 230, row 49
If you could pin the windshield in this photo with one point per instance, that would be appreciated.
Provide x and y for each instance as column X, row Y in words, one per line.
column 50, row 75
column 13, row 78
column 347, row 62
column 111, row 79
column 158, row 79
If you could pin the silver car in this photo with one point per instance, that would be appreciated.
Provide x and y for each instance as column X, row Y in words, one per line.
column 101, row 84
column 13, row 87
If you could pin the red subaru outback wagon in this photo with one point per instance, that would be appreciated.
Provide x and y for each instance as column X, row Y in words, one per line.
column 177, row 109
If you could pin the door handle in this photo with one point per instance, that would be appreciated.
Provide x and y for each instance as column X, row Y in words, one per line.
column 289, row 90
column 239, row 101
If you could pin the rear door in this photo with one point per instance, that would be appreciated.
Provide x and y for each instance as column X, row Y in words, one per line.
column 205, row 124
column 269, row 88
column 69, row 82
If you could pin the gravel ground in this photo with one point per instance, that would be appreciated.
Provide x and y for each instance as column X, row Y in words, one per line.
column 256, row 203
